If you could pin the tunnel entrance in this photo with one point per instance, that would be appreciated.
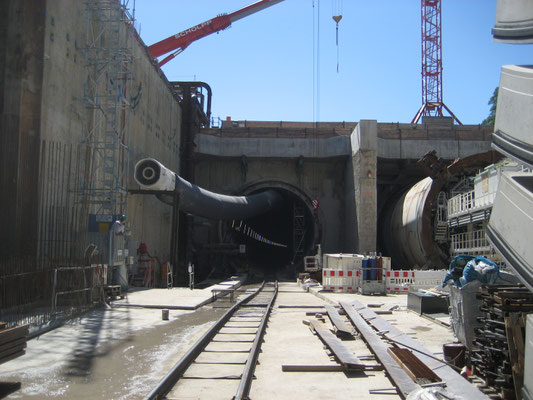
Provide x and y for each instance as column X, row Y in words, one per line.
column 284, row 234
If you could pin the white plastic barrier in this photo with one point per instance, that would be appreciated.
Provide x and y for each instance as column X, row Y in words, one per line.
column 340, row 280
column 400, row 281
column 340, row 272
column 429, row 279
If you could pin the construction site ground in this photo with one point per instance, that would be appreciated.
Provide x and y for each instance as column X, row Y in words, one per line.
column 123, row 351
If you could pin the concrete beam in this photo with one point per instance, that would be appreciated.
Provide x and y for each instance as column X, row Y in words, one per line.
column 402, row 142
column 272, row 147
column 414, row 149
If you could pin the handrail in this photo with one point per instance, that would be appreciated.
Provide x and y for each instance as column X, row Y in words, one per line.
column 469, row 241
column 467, row 202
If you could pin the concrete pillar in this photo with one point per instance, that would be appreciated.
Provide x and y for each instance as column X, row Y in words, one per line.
column 361, row 189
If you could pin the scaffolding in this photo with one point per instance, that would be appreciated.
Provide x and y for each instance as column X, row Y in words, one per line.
column 108, row 60
column 108, row 76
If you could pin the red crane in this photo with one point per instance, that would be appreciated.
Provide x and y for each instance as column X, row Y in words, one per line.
column 432, row 103
column 179, row 42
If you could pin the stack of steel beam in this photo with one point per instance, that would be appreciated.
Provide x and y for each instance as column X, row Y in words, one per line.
column 498, row 351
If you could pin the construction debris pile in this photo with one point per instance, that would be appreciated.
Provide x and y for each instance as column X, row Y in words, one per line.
column 414, row 370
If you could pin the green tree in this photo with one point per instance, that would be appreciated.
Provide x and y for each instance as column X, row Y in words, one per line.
column 492, row 103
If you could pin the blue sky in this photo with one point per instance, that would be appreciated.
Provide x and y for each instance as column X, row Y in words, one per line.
column 264, row 67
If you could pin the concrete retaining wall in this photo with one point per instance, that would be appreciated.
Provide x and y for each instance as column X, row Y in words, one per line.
column 21, row 81
column 44, row 102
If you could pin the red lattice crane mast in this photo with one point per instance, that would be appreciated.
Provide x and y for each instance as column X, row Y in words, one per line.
column 432, row 103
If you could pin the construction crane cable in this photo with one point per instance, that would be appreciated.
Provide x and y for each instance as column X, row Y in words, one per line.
column 316, row 93
column 314, row 62
column 318, row 62
column 336, row 12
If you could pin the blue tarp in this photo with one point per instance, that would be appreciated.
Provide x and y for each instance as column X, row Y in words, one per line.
column 465, row 268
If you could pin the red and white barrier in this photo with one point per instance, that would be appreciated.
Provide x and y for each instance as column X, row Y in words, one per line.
column 400, row 281
column 341, row 280
column 343, row 273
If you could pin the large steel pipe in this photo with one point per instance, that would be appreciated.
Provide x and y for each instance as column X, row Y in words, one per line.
column 150, row 174
column 411, row 238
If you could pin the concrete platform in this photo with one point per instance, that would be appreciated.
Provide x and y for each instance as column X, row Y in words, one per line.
column 115, row 352
column 177, row 298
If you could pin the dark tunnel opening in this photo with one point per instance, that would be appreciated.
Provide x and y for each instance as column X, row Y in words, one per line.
column 284, row 234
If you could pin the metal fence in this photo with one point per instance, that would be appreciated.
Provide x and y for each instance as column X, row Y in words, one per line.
column 36, row 294
column 63, row 209
column 64, row 277
column 473, row 242
column 25, row 292
column 467, row 202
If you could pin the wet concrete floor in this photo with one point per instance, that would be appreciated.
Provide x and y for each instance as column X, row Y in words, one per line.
column 111, row 353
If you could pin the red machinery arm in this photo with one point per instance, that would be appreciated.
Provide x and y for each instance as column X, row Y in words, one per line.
column 181, row 40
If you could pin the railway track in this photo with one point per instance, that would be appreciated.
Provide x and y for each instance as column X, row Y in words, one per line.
column 222, row 362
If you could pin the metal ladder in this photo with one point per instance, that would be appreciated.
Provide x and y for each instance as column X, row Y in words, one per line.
column 298, row 230
column 441, row 221
column 170, row 279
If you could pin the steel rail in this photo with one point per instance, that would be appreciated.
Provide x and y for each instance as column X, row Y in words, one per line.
column 168, row 382
column 246, row 379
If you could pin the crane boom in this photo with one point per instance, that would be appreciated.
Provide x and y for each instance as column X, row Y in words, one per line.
column 180, row 41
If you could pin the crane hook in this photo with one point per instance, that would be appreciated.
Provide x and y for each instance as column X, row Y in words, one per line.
column 337, row 19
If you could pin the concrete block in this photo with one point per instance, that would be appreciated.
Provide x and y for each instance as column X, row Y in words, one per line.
column 264, row 147
column 514, row 21
column 364, row 136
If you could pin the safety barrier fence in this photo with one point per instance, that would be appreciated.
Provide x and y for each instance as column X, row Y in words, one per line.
column 401, row 281
column 467, row 202
column 341, row 280
column 396, row 281
column 473, row 242
column 35, row 294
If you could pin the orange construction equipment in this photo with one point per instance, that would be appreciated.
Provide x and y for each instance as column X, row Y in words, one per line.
column 180, row 41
